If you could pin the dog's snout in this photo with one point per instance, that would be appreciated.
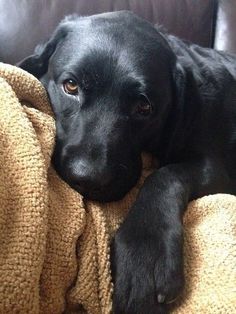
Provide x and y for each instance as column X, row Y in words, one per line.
column 86, row 175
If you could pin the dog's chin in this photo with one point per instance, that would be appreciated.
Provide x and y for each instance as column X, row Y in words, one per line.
column 116, row 190
column 104, row 195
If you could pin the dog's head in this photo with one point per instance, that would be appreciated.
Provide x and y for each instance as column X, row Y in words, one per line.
column 110, row 81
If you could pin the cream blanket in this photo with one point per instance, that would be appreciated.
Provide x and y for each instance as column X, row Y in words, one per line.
column 54, row 247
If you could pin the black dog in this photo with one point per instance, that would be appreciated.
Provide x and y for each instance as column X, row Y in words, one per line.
column 118, row 86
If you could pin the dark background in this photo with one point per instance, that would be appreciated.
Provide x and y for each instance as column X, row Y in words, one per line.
column 25, row 23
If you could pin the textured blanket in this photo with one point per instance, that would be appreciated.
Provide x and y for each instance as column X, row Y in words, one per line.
column 54, row 246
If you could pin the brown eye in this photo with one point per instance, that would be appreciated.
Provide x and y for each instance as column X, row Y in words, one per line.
column 143, row 107
column 71, row 87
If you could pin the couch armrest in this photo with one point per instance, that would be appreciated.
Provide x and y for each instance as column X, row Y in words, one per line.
column 225, row 38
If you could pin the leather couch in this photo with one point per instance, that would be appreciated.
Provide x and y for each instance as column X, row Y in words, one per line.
column 25, row 23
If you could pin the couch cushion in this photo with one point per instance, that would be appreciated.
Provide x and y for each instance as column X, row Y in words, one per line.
column 23, row 24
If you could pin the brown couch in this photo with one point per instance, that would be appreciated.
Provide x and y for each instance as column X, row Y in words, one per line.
column 23, row 24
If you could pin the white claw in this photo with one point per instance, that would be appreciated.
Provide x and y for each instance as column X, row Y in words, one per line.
column 161, row 298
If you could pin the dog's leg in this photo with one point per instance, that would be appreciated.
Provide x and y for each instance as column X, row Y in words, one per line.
column 147, row 257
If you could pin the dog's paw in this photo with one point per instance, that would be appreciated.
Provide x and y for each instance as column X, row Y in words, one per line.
column 146, row 276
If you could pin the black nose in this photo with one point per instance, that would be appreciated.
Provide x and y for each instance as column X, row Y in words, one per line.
column 87, row 175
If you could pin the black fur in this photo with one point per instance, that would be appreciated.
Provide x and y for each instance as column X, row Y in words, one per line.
column 122, row 63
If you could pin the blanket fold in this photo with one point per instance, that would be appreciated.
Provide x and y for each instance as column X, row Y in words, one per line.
column 54, row 246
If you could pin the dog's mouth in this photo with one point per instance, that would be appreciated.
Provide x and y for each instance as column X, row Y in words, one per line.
column 120, row 181
column 117, row 188
column 100, row 195
column 110, row 193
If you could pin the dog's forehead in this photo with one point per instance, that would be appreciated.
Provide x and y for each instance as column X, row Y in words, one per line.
column 117, row 35
column 119, row 30
column 113, row 45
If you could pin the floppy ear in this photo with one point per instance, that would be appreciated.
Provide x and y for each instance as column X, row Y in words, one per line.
column 37, row 64
column 185, row 108
column 179, row 77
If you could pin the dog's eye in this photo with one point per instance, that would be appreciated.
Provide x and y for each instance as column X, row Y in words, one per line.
column 143, row 107
column 71, row 87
